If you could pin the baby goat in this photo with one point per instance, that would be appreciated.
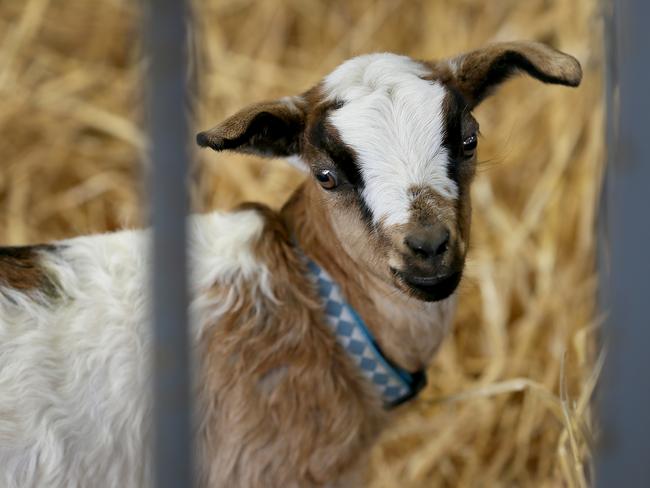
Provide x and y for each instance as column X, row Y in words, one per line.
column 308, row 324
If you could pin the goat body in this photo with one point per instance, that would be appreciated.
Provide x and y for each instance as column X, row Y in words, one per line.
column 278, row 402
column 273, row 389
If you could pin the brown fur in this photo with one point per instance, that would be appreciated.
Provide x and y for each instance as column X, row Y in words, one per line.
column 475, row 74
column 292, row 410
column 265, row 129
column 408, row 330
column 428, row 206
column 20, row 269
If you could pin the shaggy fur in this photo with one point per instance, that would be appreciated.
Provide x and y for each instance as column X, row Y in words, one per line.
column 278, row 401
column 74, row 368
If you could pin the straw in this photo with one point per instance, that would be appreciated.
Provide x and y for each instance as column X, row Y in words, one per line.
column 508, row 403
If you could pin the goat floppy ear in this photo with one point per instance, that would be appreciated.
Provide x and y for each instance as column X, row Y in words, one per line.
column 477, row 73
column 270, row 129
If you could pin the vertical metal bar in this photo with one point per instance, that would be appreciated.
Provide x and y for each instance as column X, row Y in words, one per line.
column 165, row 42
column 624, row 233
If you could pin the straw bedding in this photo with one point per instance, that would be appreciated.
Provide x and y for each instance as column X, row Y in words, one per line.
column 508, row 399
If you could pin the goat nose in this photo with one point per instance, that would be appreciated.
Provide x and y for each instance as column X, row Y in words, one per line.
column 428, row 242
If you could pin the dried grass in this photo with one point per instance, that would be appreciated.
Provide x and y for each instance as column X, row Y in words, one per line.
column 509, row 397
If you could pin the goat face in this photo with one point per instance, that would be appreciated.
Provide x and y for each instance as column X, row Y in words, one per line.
column 392, row 144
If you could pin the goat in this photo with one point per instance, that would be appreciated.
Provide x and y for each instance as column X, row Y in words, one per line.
column 308, row 324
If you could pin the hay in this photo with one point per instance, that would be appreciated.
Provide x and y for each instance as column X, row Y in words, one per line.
column 508, row 399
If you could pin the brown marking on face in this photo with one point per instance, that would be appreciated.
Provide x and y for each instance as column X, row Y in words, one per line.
column 309, row 424
column 460, row 124
column 20, row 269
column 323, row 147
column 428, row 205
column 428, row 209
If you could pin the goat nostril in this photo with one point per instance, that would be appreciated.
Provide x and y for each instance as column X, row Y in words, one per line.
column 428, row 245
column 420, row 252
column 417, row 245
column 444, row 245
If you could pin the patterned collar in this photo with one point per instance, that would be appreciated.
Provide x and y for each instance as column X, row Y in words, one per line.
column 395, row 385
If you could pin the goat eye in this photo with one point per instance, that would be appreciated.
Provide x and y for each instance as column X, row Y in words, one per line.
column 469, row 146
column 327, row 179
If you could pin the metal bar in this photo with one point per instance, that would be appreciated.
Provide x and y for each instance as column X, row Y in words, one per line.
column 165, row 42
column 624, row 233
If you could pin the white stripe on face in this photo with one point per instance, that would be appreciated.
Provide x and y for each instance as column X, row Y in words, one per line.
column 394, row 121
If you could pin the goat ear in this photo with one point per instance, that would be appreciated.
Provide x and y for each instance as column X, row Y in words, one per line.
column 270, row 129
column 477, row 73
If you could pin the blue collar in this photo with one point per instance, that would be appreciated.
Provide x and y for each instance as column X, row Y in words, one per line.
column 394, row 384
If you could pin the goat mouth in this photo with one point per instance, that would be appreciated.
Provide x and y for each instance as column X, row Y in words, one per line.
column 429, row 288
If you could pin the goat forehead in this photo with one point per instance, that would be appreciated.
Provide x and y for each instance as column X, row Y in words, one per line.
column 394, row 120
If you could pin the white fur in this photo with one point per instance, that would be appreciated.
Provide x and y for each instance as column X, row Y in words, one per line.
column 393, row 119
column 75, row 375
column 297, row 162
